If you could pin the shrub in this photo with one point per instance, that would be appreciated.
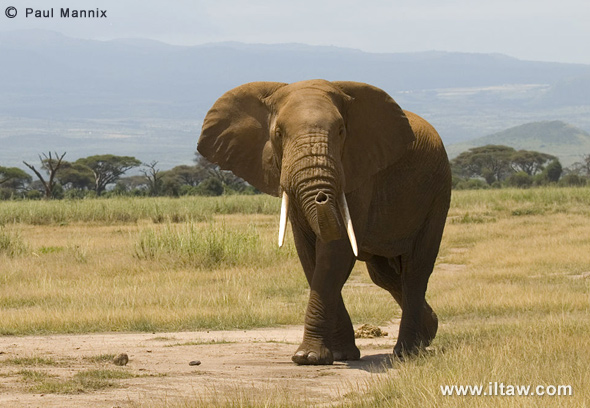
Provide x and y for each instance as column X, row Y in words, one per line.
column 34, row 195
column 471, row 184
column 6, row 194
column 210, row 187
column 171, row 187
column 572, row 180
column 520, row 180
column 553, row 171
column 74, row 194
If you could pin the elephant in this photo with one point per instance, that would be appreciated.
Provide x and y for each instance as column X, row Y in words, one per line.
column 359, row 178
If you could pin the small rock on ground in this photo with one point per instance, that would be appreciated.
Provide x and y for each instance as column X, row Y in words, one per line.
column 121, row 360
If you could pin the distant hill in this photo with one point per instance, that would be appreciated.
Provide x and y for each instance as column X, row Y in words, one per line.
column 55, row 76
column 554, row 137
column 569, row 92
column 147, row 99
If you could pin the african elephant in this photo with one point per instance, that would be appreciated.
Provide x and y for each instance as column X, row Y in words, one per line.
column 348, row 161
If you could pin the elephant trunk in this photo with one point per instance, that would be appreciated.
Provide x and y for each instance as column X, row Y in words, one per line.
column 328, row 226
column 326, row 217
column 312, row 178
column 316, row 194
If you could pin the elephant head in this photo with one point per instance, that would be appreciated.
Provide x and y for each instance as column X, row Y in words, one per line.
column 310, row 141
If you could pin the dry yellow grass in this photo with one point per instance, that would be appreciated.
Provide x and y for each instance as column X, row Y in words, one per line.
column 511, row 288
column 81, row 278
column 90, row 278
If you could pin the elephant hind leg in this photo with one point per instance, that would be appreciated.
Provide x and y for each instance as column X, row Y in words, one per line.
column 419, row 323
column 429, row 326
column 387, row 274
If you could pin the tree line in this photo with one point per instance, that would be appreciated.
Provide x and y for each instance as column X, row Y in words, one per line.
column 105, row 175
column 497, row 166
column 491, row 166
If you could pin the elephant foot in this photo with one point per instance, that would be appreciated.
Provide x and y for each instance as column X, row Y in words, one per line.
column 313, row 356
column 346, row 353
column 401, row 352
column 429, row 327
column 411, row 343
column 401, row 355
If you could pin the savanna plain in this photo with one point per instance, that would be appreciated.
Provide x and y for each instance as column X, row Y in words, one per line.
column 511, row 288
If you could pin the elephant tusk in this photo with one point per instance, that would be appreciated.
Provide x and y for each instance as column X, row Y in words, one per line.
column 283, row 219
column 348, row 222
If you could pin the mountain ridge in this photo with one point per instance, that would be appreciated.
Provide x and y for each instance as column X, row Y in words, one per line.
column 157, row 94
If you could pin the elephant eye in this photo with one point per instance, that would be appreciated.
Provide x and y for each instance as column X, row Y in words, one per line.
column 278, row 133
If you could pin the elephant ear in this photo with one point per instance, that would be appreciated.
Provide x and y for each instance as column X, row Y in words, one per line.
column 378, row 132
column 235, row 135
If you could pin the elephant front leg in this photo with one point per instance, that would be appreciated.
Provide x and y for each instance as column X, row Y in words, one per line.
column 319, row 323
column 343, row 342
column 326, row 334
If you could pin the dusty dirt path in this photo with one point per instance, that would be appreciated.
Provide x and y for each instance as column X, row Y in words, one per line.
column 254, row 363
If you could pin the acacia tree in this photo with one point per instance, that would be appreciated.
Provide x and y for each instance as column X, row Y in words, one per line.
column 75, row 176
column 51, row 165
column 153, row 176
column 108, row 168
column 499, row 163
column 226, row 177
column 13, row 177
column 188, row 175
column 491, row 162
column 530, row 162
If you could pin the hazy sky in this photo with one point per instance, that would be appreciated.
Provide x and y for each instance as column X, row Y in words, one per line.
column 544, row 30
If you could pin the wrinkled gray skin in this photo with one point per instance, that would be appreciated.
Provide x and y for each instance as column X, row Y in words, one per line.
column 315, row 140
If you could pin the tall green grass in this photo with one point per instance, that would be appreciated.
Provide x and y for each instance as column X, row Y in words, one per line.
column 506, row 202
column 194, row 209
column 132, row 209
column 207, row 246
